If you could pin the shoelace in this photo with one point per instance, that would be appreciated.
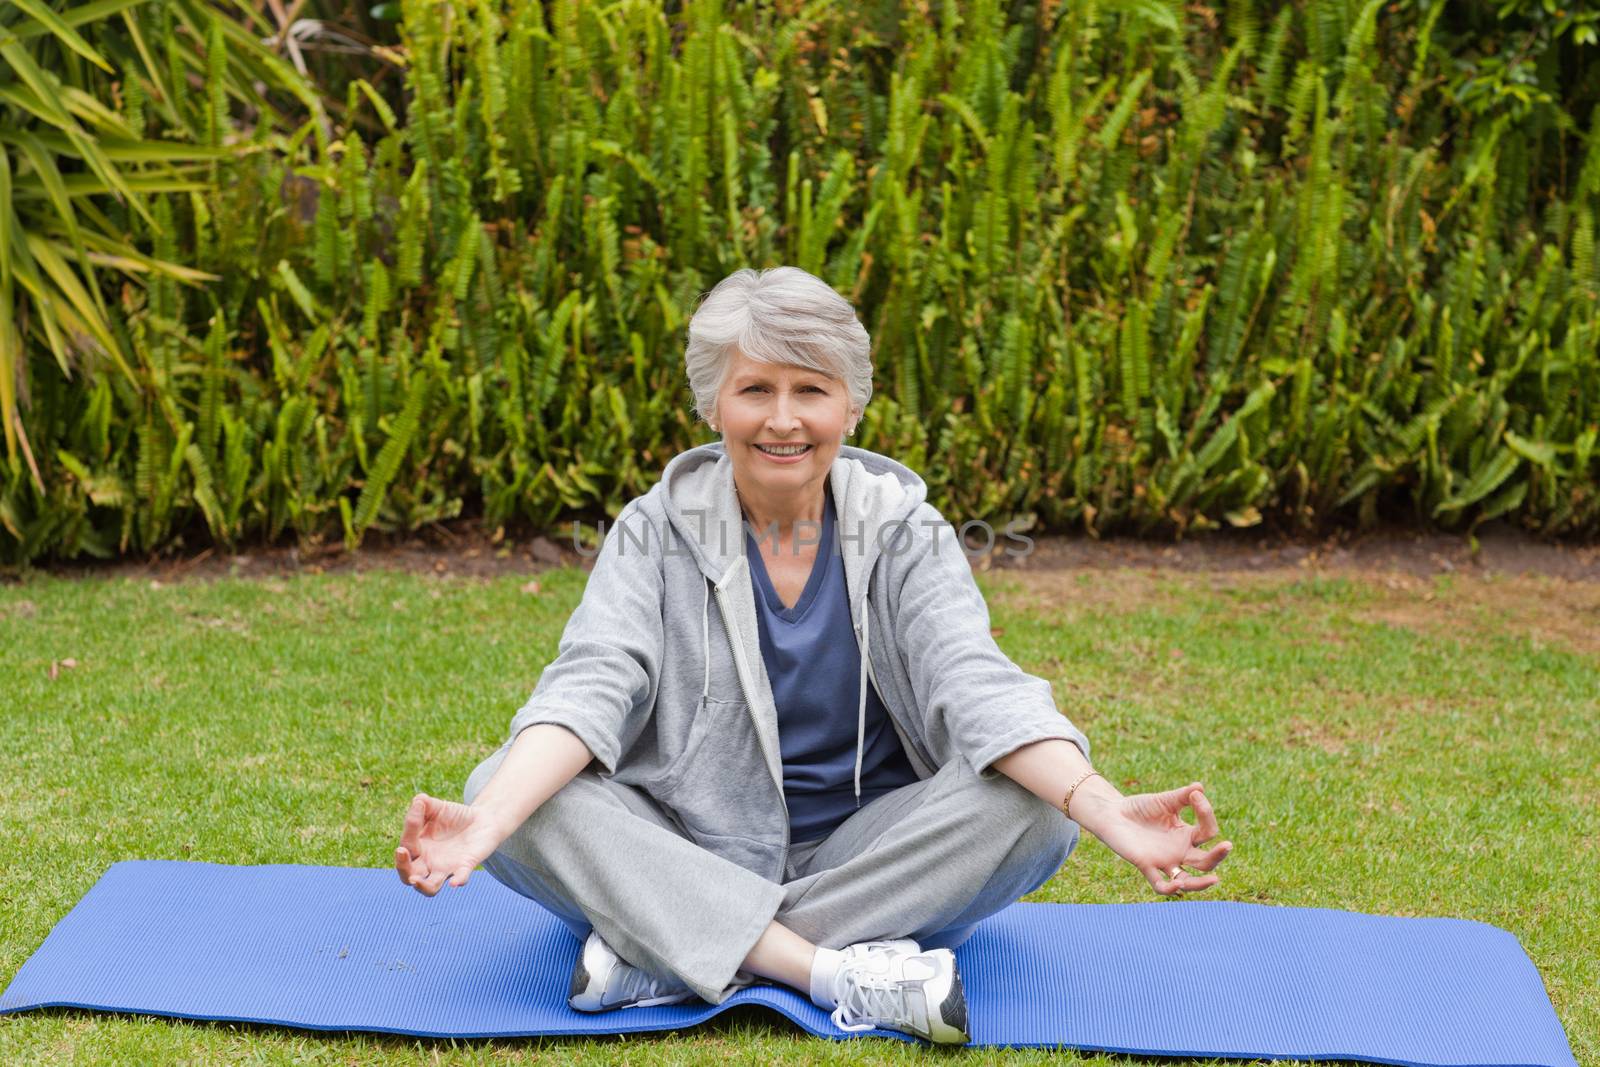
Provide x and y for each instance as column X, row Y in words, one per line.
column 867, row 995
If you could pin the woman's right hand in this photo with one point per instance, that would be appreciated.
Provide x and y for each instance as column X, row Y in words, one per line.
column 443, row 839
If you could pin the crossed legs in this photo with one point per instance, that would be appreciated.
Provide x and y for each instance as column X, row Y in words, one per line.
column 927, row 861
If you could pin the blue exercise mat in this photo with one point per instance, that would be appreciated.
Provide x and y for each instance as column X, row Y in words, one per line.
column 335, row 948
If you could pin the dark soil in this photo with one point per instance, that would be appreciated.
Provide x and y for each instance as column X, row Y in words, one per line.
column 464, row 551
column 1501, row 550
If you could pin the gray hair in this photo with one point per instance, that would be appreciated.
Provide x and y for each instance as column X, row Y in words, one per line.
column 781, row 315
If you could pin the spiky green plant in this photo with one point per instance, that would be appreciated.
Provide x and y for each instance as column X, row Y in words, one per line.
column 1127, row 266
column 82, row 86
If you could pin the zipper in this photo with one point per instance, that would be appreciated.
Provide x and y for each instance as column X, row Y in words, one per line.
column 894, row 720
column 917, row 764
column 741, row 668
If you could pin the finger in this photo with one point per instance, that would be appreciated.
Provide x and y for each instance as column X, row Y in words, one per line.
column 1161, row 882
column 1178, row 799
column 435, row 881
column 1205, row 818
column 1176, row 880
column 459, row 878
column 402, row 864
column 416, row 818
column 1210, row 858
column 1207, row 859
column 424, row 884
column 419, row 872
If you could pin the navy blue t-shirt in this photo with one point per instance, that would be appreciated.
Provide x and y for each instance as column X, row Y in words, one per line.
column 814, row 665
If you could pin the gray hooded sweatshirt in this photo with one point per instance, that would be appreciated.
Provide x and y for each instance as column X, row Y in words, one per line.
column 660, row 673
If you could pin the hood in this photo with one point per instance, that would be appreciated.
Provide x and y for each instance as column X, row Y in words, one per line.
column 870, row 492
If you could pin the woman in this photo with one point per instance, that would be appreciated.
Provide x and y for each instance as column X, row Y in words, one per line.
column 827, row 777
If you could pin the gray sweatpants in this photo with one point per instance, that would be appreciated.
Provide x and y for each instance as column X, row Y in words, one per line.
column 926, row 861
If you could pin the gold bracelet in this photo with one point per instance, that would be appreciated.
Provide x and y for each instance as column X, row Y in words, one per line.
column 1066, row 805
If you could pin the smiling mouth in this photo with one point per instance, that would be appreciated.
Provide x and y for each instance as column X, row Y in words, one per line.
column 788, row 450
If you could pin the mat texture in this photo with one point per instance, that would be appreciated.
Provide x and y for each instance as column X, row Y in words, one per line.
column 335, row 948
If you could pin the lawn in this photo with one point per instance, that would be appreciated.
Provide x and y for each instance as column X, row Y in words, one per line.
column 1373, row 743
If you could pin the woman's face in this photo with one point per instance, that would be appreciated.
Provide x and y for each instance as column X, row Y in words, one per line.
column 764, row 406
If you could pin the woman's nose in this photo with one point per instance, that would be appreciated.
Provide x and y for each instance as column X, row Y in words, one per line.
column 783, row 417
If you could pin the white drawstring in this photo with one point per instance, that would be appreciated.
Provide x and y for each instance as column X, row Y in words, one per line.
column 705, row 632
column 861, row 702
column 861, row 705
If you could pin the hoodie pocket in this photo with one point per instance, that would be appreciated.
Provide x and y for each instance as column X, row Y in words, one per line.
column 712, row 718
column 720, row 785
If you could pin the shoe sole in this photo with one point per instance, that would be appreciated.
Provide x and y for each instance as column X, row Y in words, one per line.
column 950, row 1028
column 653, row 1002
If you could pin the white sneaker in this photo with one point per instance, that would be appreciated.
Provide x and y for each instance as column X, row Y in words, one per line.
column 603, row 980
column 861, row 948
column 897, row 986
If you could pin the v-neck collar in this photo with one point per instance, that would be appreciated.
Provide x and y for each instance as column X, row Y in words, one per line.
column 819, row 570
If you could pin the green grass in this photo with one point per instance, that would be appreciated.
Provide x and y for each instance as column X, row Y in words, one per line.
column 1443, row 769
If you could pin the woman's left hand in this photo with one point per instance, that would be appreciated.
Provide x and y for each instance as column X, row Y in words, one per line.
column 1145, row 829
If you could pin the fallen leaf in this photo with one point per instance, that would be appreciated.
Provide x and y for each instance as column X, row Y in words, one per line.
column 531, row 588
column 55, row 670
column 69, row 663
